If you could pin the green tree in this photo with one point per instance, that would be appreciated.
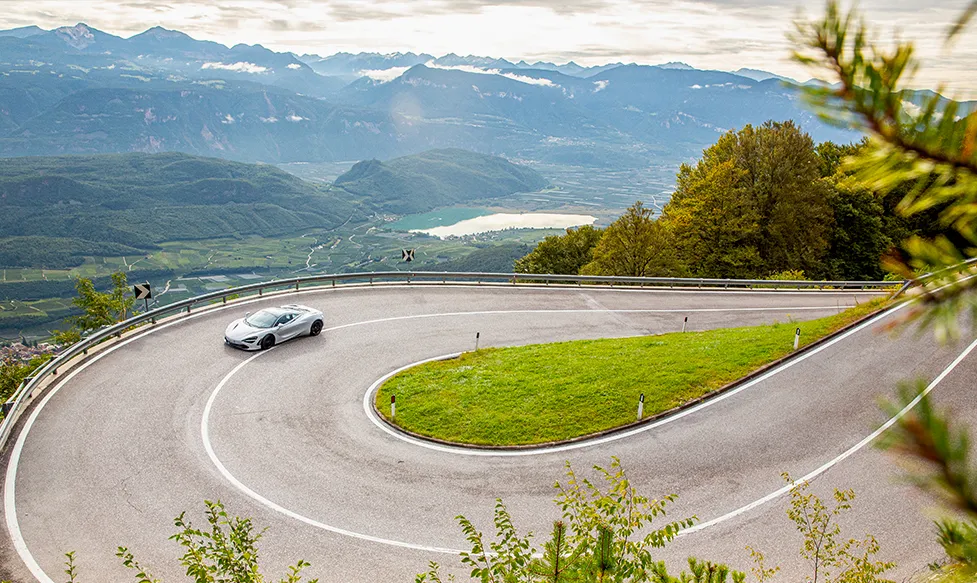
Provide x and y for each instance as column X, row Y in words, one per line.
column 227, row 552
column 767, row 178
column 857, row 239
column 831, row 156
column 13, row 373
column 562, row 254
column 102, row 308
column 606, row 535
column 715, row 223
column 928, row 162
column 824, row 548
column 926, row 154
column 634, row 245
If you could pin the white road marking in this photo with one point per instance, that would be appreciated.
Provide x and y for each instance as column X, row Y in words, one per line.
column 10, row 507
column 871, row 437
column 205, row 435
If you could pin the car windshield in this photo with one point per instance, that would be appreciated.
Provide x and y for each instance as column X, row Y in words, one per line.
column 262, row 319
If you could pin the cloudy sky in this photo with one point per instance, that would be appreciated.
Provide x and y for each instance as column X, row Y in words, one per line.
column 715, row 34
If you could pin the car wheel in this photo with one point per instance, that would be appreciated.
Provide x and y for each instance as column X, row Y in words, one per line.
column 316, row 328
column 267, row 342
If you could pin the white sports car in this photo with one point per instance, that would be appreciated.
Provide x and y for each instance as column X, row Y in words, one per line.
column 265, row 328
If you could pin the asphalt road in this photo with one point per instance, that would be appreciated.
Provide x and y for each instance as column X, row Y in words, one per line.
column 173, row 417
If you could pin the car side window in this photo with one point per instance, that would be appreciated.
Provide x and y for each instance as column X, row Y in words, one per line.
column 283, row 319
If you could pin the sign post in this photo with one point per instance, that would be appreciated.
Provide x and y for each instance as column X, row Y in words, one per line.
column 143, row 291
column 797, row 338
column 641, row 406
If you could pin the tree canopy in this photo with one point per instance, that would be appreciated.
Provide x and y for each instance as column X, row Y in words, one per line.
column 753, row 205
column 562, row 254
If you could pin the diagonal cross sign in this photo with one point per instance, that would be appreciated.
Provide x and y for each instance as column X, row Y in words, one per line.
column 407, row 255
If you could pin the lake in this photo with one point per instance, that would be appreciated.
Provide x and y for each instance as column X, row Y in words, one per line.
column 503, row 221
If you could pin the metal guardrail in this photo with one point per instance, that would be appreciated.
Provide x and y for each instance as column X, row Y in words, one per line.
column 19, row 400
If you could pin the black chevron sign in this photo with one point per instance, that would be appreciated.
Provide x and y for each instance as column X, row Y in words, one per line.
column 142, row 291
column 407, row 255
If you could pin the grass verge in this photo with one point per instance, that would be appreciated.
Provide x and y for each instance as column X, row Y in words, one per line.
column 551, row 392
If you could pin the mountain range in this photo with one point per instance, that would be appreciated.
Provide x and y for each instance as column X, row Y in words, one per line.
column 78, row 90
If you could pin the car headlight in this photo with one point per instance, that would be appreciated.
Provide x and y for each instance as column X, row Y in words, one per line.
column 251, row 339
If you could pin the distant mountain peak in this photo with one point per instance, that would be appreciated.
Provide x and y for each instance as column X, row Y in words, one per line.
column 676, row 65
column 158, row 32
column 79, row 36
column 759, row 75
column 23, row 31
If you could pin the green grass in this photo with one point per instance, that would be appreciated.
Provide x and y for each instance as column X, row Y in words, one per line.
column 551, row 392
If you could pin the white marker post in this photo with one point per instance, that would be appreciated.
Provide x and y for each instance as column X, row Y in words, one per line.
column 641, row 406
column 685, row 323
column 477, row 334
column 797, row 338
column 393, row 406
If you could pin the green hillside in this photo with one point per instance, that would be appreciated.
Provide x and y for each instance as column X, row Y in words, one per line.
column 421, row 182
column 54, row 211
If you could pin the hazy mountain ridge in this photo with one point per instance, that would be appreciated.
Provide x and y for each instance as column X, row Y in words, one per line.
column 138, row 200
column 80, row 90
column 413, row 184
column 55, row 211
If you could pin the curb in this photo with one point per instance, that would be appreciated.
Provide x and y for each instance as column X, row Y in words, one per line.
column 620, row 428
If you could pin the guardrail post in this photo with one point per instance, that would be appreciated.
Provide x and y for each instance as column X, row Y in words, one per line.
column 371, row 280
column 334, row 283
column 296, row 286
column 188, row 309
column 260, row 290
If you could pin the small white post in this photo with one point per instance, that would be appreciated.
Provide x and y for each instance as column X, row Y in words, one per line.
column 685, row 323
column 797, row 338
column 393, row 406
column 641, row 406
column 477, row 334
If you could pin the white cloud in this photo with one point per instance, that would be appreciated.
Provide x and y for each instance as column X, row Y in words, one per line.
column 294, row 66
column 600, row 85
column 696, row 86
column 295, row 118
column 271, row 119
column 228, row 119
column 383, row 75
column 477, row 70
column 530, row 80
column 240, row 67
column 463, row 68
